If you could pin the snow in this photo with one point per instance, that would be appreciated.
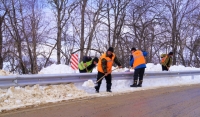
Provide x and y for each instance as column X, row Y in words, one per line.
column 88, row 83
column 21, row 97
column 57, row 69
column 4, row 73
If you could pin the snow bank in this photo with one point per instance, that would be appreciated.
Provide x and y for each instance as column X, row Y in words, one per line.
column 57, row 69
column 17, row 97
column 4, row 73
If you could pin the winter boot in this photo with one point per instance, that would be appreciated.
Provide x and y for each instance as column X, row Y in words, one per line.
column 134, row 84
column 139, row 84
column 97, row 88
column 108, row 86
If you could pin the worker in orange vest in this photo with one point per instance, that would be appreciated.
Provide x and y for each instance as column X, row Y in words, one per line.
column 166, row 61
column 105, row 68
column 138, row 63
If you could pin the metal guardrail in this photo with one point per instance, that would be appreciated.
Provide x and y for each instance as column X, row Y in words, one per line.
column 47, row 79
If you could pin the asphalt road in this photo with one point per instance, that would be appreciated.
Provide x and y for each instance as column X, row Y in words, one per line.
column 181, row 101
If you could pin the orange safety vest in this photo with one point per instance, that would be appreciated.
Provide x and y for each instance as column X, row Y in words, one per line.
column 109, row 63
column 138, row 58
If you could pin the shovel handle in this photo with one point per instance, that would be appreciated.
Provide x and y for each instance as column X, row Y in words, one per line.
column 86, row 69
column 104, row 76
column 100, row 78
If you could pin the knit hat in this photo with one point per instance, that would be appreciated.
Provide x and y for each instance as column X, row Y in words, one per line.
column 111, row 49
column 133, row 49
column 96, row 59
column 170, row 53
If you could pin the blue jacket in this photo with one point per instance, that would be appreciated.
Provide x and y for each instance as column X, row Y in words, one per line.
column 132, row 61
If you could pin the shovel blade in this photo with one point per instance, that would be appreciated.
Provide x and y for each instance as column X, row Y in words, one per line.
column 96, row 84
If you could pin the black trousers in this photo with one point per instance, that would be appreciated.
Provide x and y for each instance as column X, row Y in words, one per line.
column 164, row 68
column 83, row 71
column 108, row 80
column 139, row 73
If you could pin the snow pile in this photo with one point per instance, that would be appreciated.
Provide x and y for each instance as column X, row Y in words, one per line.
column 4, row 73
column 153, row 67
column 182, row 68
column 60, row 69
column 88, row 83
column 16, row 97
column 57, row 69
column 158, row 67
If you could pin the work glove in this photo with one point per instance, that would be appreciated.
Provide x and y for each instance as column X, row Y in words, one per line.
column 106, row 74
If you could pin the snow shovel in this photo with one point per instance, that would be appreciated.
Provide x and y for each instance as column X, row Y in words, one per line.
column 90, row 83
column 103, row 77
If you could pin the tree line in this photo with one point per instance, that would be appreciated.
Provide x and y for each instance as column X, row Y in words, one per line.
column 31, row 31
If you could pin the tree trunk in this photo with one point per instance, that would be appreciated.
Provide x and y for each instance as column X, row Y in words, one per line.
column 59, row 36
column 82, row 42
column 1, row 42
column 1, row 39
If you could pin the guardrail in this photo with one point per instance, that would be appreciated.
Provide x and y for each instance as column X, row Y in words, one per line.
column 47, row 79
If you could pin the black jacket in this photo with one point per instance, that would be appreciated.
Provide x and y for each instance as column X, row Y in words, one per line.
column 90, row 67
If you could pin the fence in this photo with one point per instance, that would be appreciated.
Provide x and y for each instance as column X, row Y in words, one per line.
column 47, row 79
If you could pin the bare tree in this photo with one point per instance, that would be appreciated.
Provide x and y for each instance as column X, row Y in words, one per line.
column 31, row 24
column 2, row 18
column 142, row 21
column 115, row 15
column 14, row 29
column 82, row 42
column 62, row 11
column 95, row 20
column 176, row 18
column 25, row 32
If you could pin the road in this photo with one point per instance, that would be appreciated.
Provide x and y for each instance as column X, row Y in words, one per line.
column 181, row 101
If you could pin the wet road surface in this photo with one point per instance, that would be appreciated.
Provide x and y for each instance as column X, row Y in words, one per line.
column 181, row 101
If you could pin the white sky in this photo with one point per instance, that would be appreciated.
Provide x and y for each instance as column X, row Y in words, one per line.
column 17, row 97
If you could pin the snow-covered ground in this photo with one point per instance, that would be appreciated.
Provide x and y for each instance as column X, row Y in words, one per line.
column 18, row 97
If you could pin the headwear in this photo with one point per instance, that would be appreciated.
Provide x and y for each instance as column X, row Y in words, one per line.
column 111, row 49
column 96, row 59
column 170, row 53
column 133, row 49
